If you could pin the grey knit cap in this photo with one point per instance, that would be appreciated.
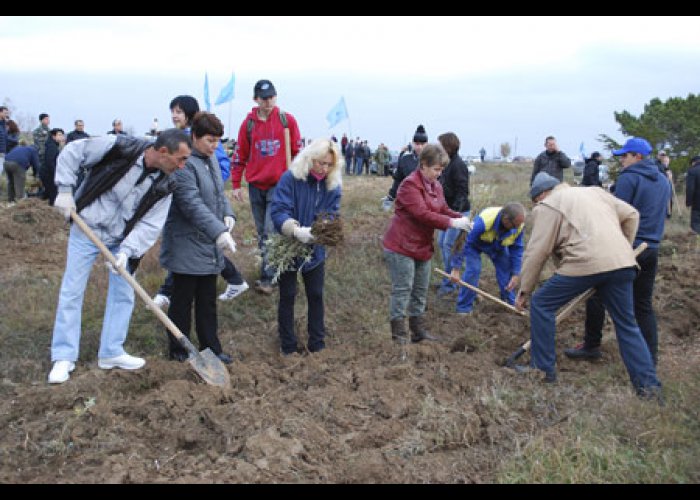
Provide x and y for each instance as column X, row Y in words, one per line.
column 542, row 182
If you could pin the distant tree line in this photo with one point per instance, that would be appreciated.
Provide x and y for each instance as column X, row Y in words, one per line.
column 673, row 125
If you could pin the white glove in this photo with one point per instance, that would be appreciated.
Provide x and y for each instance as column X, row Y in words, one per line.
column 225, row 242
column 462, row 223
column 64, row 203
column 230, row 222
column 121, row 259
column 303, row 234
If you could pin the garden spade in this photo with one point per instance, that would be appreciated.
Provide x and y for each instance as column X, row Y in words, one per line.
column 205, row 363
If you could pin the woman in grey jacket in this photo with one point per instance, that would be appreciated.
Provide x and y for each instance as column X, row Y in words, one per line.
column 195, row 236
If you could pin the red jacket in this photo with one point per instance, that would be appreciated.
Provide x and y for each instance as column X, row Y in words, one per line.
column 266, row 163
column 419, row 209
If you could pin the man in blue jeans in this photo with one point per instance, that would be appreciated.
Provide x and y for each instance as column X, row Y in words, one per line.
column 127, row 217
column 589, row 232
column 260, row 153
column 643, row 186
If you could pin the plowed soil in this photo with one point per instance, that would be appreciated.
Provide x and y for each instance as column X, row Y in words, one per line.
column 363, row 410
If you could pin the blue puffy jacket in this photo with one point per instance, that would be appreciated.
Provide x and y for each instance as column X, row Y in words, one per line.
column 302, row 200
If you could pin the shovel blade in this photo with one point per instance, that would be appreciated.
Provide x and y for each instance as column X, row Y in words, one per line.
column 210, row 368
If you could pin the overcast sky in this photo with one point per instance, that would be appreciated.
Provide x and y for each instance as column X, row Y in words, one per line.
column 488, row 79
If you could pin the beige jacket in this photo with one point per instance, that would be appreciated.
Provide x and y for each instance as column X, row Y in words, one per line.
column 585, row 229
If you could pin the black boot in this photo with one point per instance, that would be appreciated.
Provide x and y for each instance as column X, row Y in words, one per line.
column 583, row 351
column 417, row 326
column 398, row 331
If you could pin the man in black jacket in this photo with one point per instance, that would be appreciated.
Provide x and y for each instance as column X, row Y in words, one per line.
column 53, row 146
column 591, row 172
column 692, row 193
column 78, row 132
column 551, row 161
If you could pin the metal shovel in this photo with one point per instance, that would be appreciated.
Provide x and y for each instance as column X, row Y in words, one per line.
column 205, row 363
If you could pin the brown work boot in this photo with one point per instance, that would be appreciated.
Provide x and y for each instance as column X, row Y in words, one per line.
column 398, row 331
column 417, row 326
column 265, row 287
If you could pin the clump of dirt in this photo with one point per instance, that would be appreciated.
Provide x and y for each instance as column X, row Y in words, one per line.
column 32, row 232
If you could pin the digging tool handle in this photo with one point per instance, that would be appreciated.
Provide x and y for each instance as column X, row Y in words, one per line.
column 134, row 284
column 482, row 293
column 287, row 147
column 675, row 200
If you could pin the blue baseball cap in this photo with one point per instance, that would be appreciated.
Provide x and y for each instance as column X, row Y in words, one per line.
column 634, row 145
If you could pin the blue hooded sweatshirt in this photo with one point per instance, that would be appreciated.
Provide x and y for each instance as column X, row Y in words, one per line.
column 649, row 191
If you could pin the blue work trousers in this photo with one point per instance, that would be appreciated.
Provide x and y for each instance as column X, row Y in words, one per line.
column 501, row 261
column 615, row 289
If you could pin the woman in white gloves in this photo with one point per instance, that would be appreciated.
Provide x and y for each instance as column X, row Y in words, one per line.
column 195, row 236
column 311, row 186
column 420, row 208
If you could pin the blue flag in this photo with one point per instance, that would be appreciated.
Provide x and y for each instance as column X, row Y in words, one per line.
column 206, row 92
column 226, row 93
column 337, row 114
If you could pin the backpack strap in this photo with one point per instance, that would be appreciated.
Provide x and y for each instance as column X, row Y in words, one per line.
column 251, row 123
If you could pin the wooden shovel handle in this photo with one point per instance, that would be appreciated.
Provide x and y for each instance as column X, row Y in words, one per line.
column 128, row 277
column 482, row 293
column 287, row 147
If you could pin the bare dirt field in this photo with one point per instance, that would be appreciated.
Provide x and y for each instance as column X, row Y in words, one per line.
column 364, row 410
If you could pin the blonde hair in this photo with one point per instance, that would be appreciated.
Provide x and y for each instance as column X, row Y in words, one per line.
column 317, row 149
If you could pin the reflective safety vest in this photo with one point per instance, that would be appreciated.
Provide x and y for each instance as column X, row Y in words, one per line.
column 490, row 216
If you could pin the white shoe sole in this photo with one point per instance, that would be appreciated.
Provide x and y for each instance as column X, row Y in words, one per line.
column 109, row 366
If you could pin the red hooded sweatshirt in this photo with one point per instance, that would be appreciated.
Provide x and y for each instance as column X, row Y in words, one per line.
column 264, row 161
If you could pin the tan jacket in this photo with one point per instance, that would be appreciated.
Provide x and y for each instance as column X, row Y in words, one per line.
column 585, row 229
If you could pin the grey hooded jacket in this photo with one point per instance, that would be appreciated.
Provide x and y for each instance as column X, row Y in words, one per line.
column 108, row 215
column 196, row 219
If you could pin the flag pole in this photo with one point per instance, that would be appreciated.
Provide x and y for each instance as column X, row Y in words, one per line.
column 230, row 104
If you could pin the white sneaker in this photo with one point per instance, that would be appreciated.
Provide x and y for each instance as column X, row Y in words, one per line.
column 125, row 362
column 60, row 372
column 233, row 291
column 161, row 300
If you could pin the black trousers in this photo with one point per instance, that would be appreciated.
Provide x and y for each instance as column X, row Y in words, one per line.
column 643, row 289
column 201, row 290
column 313, row 284
column 230, row 273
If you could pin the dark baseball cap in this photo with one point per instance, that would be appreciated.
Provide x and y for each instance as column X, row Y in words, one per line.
column 264, row 89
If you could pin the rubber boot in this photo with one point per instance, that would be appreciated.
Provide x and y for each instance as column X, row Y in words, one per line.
column 417, row 326
column 398, row 331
